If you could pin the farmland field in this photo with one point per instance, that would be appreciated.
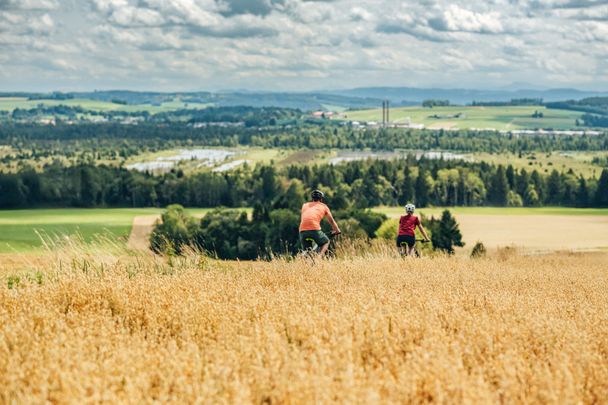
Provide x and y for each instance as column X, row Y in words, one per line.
column 10, row 103
column 506, row 329
column 530, row 229
column 21, row 230
column 500, row 118
column 579, row 162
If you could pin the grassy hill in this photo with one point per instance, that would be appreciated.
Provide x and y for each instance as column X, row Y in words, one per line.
column 463, row 117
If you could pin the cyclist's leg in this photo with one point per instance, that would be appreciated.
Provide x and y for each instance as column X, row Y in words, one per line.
column 411, row 244
column 401, row 245
column 323, row 249
column 322, row 241
column 306, row 241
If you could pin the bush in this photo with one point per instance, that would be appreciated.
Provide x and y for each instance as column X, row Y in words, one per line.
column 368, row 220
column 388, row 229
column 479, row 250
column 352, row 229
column 514, row 199
column 175, row 232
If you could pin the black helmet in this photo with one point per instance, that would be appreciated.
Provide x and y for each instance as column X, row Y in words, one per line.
column 317, row 195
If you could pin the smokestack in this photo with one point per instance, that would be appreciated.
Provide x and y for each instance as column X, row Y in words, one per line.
column 387, row 110
column 383, row 113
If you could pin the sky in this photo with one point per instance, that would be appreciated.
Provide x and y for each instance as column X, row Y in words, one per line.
column 301, row 45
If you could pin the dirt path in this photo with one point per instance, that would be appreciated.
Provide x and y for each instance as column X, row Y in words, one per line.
column 141, row 230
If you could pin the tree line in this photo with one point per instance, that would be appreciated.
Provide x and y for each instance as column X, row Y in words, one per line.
column 512, row 102
column 359, row 184
column 320, row 135
column 270, row 232
column 249, row 116
column 595, row 109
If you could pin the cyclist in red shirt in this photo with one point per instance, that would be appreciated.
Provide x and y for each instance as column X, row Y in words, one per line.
column 407, row 230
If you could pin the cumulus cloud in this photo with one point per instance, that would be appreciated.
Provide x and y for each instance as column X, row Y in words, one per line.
column 42, row 25
column 580, row 3
column 360, row 14
column 299, row 44
column 599, row 13
column 456, row 18
column 28, row 4
column 255, row 7
column 414, row 26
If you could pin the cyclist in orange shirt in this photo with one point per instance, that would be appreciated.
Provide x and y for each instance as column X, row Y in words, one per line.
column 310, row 225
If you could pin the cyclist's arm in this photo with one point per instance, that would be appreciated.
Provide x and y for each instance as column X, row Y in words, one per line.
column 332, row 221
column 423, row 231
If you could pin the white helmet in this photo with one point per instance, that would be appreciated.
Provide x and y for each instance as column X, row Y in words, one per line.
column 409, row 208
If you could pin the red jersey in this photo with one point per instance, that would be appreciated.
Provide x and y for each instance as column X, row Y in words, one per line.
column 407, row 224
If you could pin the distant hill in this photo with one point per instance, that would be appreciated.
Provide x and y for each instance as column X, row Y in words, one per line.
column 401, row 95
column 303, row 101
column 358, row 98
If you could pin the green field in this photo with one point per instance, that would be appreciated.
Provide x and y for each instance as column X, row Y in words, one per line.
column 20, row 230
column 9, row 104
column 500, row 118
column 580, row 162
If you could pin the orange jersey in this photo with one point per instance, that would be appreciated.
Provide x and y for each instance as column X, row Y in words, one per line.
column 312, row 214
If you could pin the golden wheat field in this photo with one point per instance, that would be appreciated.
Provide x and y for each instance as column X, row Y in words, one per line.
column 90, row 328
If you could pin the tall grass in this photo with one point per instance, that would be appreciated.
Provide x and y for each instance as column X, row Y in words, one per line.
column 124, row 327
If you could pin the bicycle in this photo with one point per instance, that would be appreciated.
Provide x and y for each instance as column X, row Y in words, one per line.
column 310, row 249
column 416, row 252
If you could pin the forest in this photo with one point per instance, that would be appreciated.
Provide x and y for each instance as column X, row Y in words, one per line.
column 595, row 109
column 126, row 140
column 360, row 184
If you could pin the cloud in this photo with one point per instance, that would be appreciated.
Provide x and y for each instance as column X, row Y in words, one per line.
column 581, row 3
column 299, row 44
column 414, row 26
column 598, row 13
column 202, row 18
column 42, row 25
column 592, row 32
column 255, row 7
column 456, row 18
column 360, row 14
column 28, row 4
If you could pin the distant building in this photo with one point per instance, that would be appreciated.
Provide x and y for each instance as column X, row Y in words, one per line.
column 46, row 121
column 322, row 114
